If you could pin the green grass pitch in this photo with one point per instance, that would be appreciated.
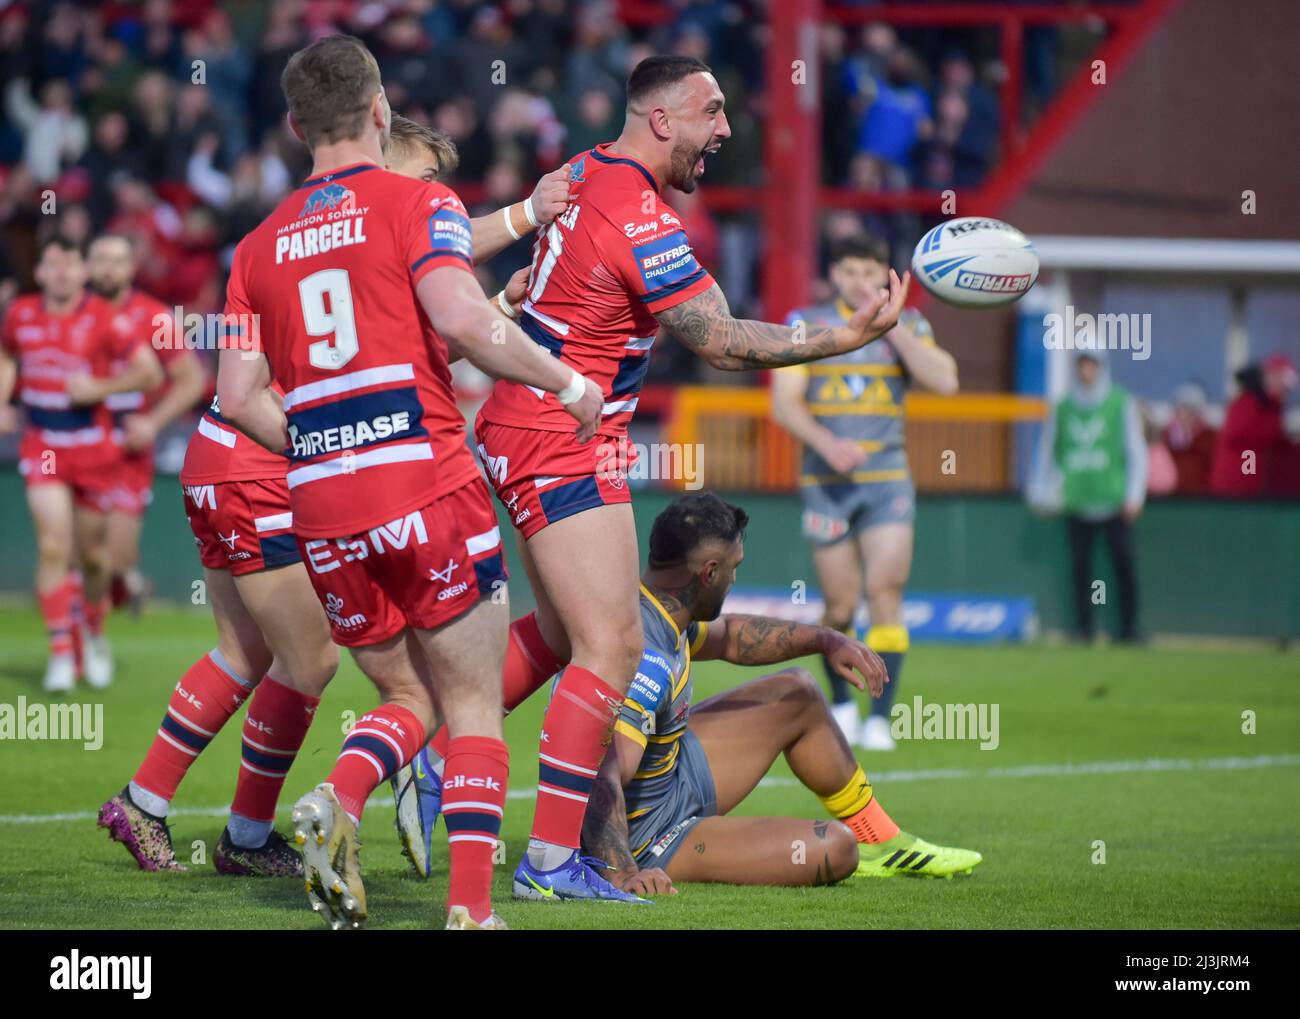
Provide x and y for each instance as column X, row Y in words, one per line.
column 1140, row 749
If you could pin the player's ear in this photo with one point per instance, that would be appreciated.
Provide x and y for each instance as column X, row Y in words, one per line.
column 709, row 573
column 296, row 128
column 660, row 123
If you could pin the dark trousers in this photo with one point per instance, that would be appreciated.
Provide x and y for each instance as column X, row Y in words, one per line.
column 1119, row 539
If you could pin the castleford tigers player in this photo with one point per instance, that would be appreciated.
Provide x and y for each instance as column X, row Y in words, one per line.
column 606, row 275
column 675, row 770
column 58, row 350
column 358, row 281
column 237, row 504
column 859, row 500
column 140, row 417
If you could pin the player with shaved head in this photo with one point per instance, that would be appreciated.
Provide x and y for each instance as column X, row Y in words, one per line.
column 611, row 270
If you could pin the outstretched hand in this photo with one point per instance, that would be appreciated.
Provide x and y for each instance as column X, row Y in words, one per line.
column 880, row 313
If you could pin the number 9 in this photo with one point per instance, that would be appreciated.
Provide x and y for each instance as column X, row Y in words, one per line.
column 338, row 320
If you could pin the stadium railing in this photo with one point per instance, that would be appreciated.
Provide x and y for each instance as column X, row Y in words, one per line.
column 971, row 443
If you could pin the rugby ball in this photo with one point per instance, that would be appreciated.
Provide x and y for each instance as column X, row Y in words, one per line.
column 973, row 262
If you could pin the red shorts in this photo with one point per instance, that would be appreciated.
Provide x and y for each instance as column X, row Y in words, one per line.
column 541, row 477
column 421, row 570
column 89, row 470
column 242, row 526
column 133, row 485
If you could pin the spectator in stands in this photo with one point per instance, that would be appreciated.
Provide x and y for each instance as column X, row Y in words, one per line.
column 1254, row 457
column 1092, row 463
column 1191, row 440
column 966, row 132
column 1162, row 472
column 226, row 70
column 55, row 133
column 897, row 119
column 594, row 120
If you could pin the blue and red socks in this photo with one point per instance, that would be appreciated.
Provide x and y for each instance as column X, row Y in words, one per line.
column 276, row 725
column 473, row 799
column 379, row 744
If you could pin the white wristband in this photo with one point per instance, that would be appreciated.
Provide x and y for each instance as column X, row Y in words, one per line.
column 504, row 305
column 505, row 214
column 573, row 392
column 528, row 211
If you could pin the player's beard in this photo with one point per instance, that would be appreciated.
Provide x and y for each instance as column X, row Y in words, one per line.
column 107, row 291
column 681, row 166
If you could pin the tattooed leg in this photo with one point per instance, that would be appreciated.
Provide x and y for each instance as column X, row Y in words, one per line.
column 765, row 851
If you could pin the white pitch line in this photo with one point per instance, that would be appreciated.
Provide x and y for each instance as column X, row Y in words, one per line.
column 1150, row 764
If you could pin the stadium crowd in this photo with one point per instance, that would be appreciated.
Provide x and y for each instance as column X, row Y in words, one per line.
column 164, row 119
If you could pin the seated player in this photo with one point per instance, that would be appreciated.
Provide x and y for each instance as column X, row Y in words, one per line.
column 661, row 780
column 674, row 771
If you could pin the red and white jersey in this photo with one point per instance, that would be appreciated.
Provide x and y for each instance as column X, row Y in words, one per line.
column 602, row 269
column 218, row 452
column 328, row 280
column 153, row 322
column 90, row 339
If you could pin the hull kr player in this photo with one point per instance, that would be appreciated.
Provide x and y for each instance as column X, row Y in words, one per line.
column 140, row 417
column 59, row 350
column 859, row 499
column 675, row 770
column 273, row 637
column 606, row 275
column 360, row 280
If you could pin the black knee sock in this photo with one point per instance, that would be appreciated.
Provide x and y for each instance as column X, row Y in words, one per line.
column 841, row 692
column 894, row 666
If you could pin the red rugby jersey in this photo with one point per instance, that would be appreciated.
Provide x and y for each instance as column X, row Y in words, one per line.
column 218, row 452
column 153, row 322
column 331, row 277
column 601, row 270
column 90, row 339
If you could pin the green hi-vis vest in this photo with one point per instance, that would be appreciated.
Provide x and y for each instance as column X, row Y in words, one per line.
column 1090, row 451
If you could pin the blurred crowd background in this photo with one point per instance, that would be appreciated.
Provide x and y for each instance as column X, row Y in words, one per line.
column 164, row 118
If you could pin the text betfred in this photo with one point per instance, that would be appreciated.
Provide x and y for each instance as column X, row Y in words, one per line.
column 993, row 283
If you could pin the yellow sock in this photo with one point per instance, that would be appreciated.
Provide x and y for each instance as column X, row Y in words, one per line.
column 855, row 795
column 857, row 807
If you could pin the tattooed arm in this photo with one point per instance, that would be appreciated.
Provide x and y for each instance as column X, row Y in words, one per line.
column 604, row 828
column 705, row 325
column 760, row 640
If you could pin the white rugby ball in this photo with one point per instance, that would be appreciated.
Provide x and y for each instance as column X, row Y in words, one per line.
column 974, row 262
